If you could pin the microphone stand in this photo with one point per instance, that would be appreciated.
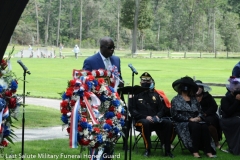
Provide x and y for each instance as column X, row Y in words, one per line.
column 130, row 149
column 25, row 70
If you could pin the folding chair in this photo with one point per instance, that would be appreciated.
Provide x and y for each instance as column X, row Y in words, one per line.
column 220, row 112
column 138, row 136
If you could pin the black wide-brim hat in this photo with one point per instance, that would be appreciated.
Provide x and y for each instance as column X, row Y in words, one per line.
column 188, row 81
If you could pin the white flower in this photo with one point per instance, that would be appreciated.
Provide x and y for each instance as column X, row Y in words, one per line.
column 3, row 83
column 85, row 132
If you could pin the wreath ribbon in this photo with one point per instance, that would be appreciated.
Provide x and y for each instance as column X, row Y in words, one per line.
column 73, row 143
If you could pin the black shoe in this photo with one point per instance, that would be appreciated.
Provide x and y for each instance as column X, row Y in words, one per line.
column 147, row 153
column 169, row 154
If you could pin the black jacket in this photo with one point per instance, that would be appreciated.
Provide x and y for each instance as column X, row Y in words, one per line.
column 230, row 106
column 147, row 103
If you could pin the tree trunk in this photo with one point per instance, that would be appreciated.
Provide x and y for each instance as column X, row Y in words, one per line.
column 47, row 25
column 59, row 14
column 70, row 19
column 134, row 39
column 80, row 27
column 36, row 9
column 118, row 24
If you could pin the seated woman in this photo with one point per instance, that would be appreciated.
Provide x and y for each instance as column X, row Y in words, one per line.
column 189, row 122
column 209, row 108
column 230, row 121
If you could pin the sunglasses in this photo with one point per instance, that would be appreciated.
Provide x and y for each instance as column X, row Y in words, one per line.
column 110, row 47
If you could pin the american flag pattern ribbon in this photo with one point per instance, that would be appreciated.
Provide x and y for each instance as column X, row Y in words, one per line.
column 90, row 110
column 73, row 143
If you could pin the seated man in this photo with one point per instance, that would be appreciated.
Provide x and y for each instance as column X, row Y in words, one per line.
column 148, row 111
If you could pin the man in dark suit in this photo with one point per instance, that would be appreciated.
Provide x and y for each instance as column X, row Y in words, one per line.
column 104, row 58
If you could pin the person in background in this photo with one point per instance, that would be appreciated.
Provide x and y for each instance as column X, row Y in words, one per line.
column 188, row 119
column 76, row 50
column 230, row 121
column 148, row 112
column 236, row 70
column 209, row 108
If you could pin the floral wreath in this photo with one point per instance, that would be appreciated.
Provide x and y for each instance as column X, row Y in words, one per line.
column 92, row 109
column 9, row 102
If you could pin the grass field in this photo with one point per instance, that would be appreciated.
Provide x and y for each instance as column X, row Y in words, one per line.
column 60, row 148
column 49, row 77
column 38, row 116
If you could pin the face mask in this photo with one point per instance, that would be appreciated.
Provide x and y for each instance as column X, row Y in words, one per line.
column 152, row 85
column 146, row 85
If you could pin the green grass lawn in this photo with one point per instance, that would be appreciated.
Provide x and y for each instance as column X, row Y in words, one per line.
column 49, row 76
column 38, row 116
column 60, row 147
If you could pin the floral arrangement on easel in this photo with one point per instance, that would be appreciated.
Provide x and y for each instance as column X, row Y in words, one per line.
column 9, row 102
column 92, row 110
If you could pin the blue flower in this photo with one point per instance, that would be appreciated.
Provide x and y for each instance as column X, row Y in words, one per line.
column 109, row 115
column 14, row 85
column 6, row 131
column 95, row 82
column 84, row 125
column 89, row 84
column 2, row 103
column 64, row 96
column 64, row 118
column 107, row 127
column 89, row 126
column 122, row 122
column 102, row 98
column 123, row 111
column 99, row 138
column 1, row 88
column 80, row 93
column 115, row 102
column 116, row 130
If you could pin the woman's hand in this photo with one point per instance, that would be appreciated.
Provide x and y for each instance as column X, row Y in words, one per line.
column 196, row 119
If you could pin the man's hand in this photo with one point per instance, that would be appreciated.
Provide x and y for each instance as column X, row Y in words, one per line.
column 149, row 118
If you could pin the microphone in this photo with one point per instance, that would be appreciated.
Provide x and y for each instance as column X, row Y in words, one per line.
column 23, row 66
column 133, row 69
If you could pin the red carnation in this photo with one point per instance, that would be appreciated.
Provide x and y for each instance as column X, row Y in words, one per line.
column 90, row 78
column 84, row 142
column 72, row 83
column 118, row 115
column 4, row 143
column 72, row 102
column 69, row 92
column 110, row 135
column 4, row 64
column 109, row 121
column 8, row 93
column 64, row 110
column 12, row 102
column 84, row 119
column 97, row 130
column 64, row 104
column 111, row 108
column 97, row 88
column 80, row 129
column 82, row 104
column 101, row 81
